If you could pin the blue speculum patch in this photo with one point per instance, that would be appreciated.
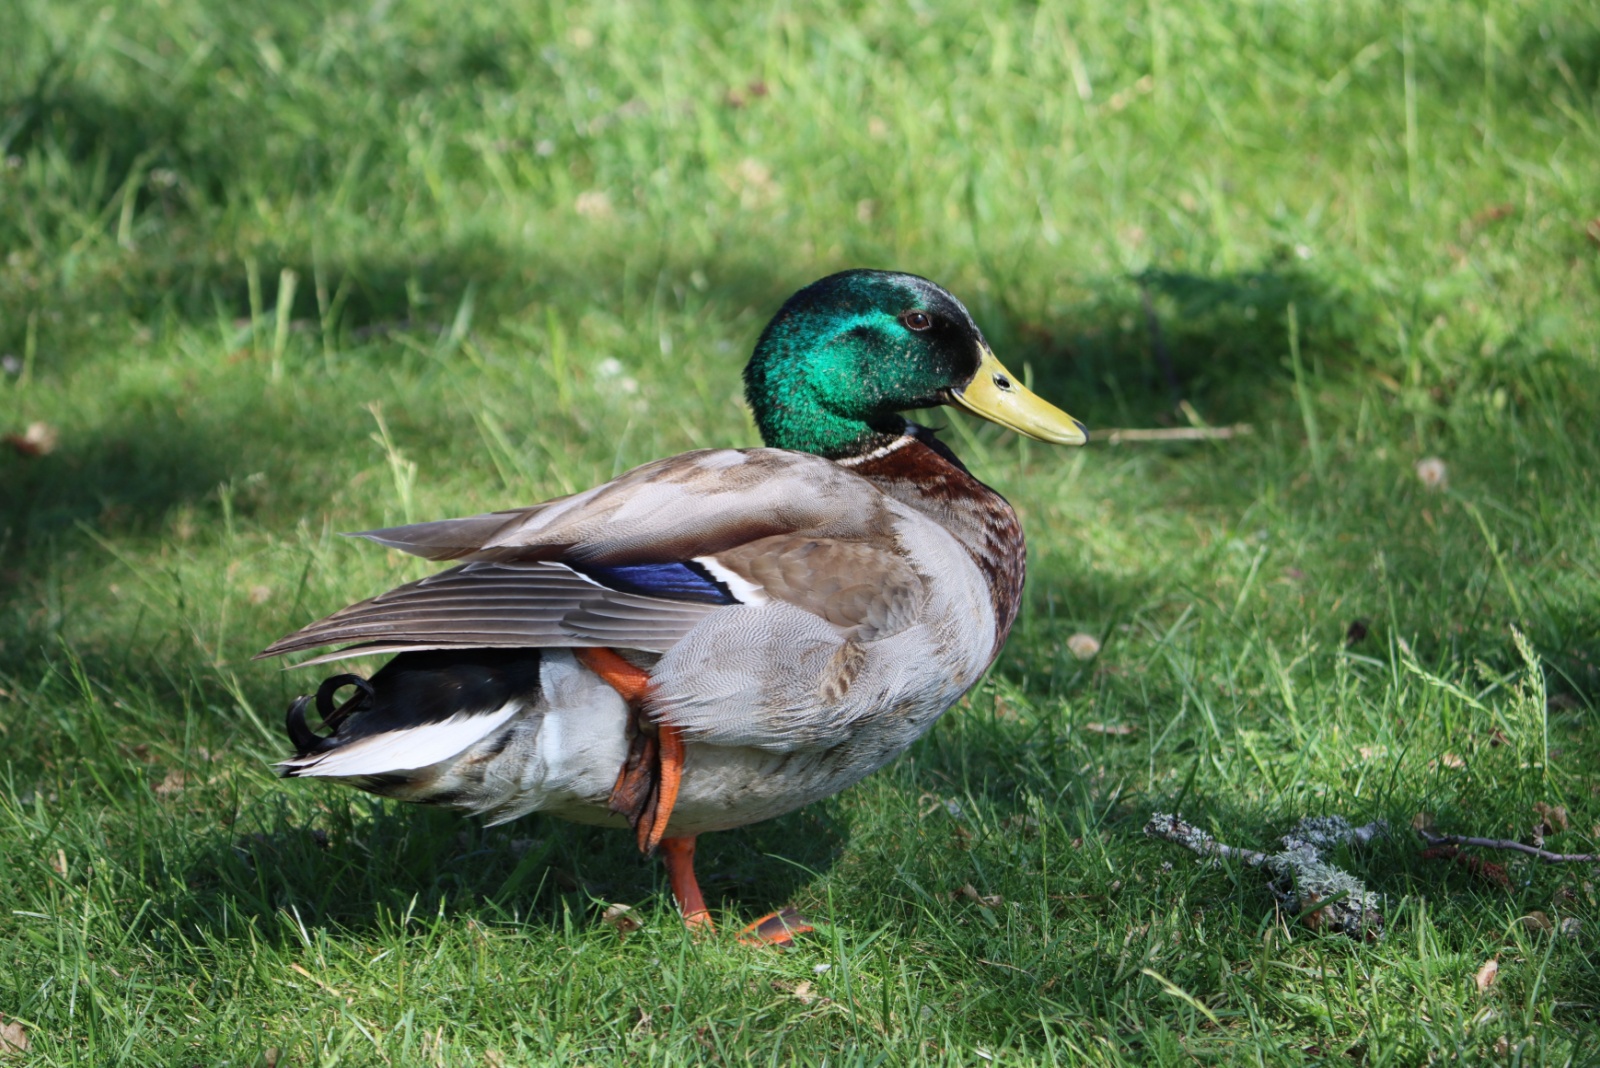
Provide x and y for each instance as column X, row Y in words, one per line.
column 678, row 582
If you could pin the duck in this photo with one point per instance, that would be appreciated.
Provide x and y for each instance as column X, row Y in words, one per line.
column 715, row 638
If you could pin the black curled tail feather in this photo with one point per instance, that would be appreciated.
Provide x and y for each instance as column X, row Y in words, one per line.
column 307, row 741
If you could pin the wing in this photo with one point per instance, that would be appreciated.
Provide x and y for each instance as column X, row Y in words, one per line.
column 693, row 504
column 640, row 561
column 516, row 605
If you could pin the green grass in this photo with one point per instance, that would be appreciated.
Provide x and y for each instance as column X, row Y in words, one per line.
column 275, row 270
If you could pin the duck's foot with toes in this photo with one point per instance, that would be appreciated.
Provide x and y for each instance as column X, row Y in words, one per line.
column 645, row 792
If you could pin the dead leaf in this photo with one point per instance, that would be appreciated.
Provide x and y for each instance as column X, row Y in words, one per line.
column 1315, row 919
column 1483, row 869
column 1536, row 921
column 1493, row 213
column 1553, row 816
column 260, row 594
column 970, row 892
column 270, row 1056
column 1422, row 821
column 1369, row 751
column 13, row 1039
column 594, row 204
column 39, row 439
column 1486, row 870
column 1571, row 927
column 1486, row 974
column 174, row 783
column 58, row 863
column 1083, row 646
column 622, row 918
column 802, row 992
column 493, row 1058
column 1109, row 728
column 1450, row 760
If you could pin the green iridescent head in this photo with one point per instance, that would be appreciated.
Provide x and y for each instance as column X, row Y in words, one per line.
column 845, row 355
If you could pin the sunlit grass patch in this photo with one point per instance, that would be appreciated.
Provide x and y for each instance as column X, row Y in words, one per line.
column 273, row 272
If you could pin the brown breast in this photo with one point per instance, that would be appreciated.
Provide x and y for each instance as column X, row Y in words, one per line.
column 920, row 471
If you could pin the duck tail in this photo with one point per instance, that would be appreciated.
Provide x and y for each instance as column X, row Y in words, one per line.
column 308, row 742
column 420, row 709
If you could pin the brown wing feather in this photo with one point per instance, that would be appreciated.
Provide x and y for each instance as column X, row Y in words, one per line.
column 864, row 587
column 515, row 592
column 500, row 606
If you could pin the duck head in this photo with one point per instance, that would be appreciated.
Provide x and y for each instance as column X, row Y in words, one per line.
column 846, row 354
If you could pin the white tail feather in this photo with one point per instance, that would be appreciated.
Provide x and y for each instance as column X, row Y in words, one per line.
column 404, row 750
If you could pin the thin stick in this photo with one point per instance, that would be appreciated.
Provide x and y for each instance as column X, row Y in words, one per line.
column 1177, row 433
column 1506, row 843
column 1180, row 832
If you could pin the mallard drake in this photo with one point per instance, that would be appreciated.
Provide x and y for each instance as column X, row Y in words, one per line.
column 715, row 638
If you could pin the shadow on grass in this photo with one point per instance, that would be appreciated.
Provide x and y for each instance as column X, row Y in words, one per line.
column 1133, row 348
column 1048, row 830
column 361, row 861
column 162, row 445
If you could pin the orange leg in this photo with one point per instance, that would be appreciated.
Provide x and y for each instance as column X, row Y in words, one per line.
column 631, row 682
column 671, row 777
column 678, row 853
column 634, row 685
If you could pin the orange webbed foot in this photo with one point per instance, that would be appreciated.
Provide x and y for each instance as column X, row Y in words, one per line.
column 776, row 929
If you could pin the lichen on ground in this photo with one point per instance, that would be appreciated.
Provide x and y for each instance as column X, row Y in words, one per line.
column 1302, row 879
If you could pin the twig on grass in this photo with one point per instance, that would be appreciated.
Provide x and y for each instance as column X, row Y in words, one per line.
column 1176, row 433
column 1506, row 843
column 1321, row 895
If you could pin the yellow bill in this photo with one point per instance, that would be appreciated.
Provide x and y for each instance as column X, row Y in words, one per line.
column 999, row 397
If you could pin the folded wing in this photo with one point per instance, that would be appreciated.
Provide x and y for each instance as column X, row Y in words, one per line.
column 641, row 561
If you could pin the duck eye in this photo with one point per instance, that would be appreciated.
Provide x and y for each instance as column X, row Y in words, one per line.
column 1001, row 382
column 917, row 320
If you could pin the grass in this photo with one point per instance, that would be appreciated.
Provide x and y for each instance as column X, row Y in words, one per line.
column 275, row 270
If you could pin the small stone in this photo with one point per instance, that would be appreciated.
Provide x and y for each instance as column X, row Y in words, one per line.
column 1084, row 646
